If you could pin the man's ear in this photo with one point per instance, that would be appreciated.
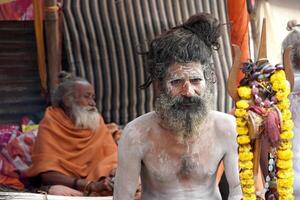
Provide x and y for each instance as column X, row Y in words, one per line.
column 158, row 88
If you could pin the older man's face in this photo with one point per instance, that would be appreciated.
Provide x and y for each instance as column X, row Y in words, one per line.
column 83, row 109
column 84, row 94
column 184, row 103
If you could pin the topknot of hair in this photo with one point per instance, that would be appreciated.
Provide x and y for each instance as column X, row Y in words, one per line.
column 65, row 76
column 206, row 27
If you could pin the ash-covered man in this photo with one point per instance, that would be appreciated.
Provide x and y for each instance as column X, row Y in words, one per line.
column 75, row 153
column 177, row 149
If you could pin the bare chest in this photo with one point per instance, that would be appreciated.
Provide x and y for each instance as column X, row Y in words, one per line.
column 169, row 162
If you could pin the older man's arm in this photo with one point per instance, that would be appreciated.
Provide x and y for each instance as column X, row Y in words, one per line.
column 56, row 180
column 129, row 166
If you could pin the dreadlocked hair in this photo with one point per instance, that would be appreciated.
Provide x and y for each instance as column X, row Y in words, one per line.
column 193, row 41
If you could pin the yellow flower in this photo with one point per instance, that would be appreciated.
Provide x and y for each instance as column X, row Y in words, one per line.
column 287, row 125
column 280, row 95
column 241, row 121
column 284, row 190
column 276, row 85
column 245, row 148
column 249, row 196
column 285, row 154
column 246, row 164
column 287, row 182
column 246, row 156
column 278, row 76
column 248, row 189
column 286, row 197
column 240, row 112
column 242, row 130
column 246, row 174
column 284, row 164
column 284, row 104
column 282, row 85
column 286, row 135
column 286, row 114
column 247, row 182
column 288, row 173
column 243, row 104
column 285, row 145
column 244, row 92
column 243, row 139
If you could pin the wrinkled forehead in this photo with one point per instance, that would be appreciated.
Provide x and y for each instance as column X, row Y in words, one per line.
column 82, row 87
column 184, row 70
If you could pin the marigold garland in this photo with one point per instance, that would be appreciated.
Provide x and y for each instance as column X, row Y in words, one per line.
column 284, row 163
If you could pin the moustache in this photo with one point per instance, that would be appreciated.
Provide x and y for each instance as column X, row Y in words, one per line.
column 186, row 102
column 90, row 109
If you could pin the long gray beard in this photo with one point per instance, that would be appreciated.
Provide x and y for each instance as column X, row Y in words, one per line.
column 185, row 122
column 85, row 117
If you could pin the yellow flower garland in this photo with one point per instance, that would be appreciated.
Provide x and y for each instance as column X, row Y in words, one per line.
column 284, row 162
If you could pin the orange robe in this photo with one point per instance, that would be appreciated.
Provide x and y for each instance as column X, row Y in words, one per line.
column 76, row 152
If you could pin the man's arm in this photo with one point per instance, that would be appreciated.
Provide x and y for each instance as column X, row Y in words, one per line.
column 231, row 164
column 56, row 178
column 129, row 166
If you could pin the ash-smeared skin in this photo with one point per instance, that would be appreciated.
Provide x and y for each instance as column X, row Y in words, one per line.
column 177, row 161
column 185, row 76
column 176, row 170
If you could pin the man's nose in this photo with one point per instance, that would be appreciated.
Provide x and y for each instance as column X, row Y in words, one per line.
column 92, row 103
column 188, row 90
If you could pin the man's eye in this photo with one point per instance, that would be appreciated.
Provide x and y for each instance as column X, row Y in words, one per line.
column 196, row 80
column 176, row 82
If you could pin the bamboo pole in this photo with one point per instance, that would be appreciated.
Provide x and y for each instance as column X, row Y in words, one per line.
column 256, row 159
column 39, row 38
column 53, row 42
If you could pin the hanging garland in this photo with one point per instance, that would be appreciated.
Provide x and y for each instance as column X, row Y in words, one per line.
column 265, row 91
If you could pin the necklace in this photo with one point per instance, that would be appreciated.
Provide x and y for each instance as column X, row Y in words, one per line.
column 264, row 91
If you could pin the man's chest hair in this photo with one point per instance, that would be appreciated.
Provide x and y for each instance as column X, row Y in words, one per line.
column 167, row 164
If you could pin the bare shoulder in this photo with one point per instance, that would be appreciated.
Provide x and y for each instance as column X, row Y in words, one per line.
column 142, row 123
column 223, row 123
column 138, row 129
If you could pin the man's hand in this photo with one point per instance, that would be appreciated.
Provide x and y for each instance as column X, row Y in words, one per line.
column 63, row 191
column 104, row 187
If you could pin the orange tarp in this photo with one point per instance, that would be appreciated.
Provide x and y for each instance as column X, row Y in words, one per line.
column 238, row 16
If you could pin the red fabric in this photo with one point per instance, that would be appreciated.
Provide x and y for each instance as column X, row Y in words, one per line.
column 238, row 15
column 16, row 10
column 15, row 148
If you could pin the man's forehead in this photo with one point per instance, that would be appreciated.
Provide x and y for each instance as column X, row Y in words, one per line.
column 83, row 86
column 185, row 69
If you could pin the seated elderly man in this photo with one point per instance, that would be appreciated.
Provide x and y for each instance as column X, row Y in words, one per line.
column 177, row 148
column 75, row 152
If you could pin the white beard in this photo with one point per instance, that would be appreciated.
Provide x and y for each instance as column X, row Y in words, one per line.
column 85, row 117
